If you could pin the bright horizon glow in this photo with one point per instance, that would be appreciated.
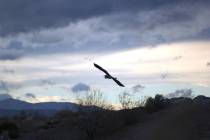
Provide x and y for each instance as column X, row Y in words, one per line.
column 184, row 63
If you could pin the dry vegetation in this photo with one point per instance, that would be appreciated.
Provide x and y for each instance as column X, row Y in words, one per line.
column 158, row 119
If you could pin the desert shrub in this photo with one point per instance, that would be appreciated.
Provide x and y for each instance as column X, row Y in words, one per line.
column 150, row 104
column 94, row 119
column 94, row 98
column 65, row 113
column 109, row 122
column 68, row 119
column 104, row 121
column 100, row 123
column 49, row 123
column 155, row 104
column 127, row 102
column 87, row 124
column 11, row 128
column 133, row 116
column 129, row 116
column 44, row 126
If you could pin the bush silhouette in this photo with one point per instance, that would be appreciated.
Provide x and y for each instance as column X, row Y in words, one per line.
column 100, row 123
column 11, row 128
column 128, row 102
column 155, row 104
column 93, row 98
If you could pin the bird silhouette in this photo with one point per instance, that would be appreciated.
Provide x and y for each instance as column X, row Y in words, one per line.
column 108, row 76
column 164, row 75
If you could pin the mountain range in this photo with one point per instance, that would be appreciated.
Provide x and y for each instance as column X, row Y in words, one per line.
column 12, row 107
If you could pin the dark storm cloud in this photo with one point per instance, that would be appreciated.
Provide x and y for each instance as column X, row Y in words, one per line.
column 29, row 28
column 180, row 93
column 80, row 87
column 30, row 15
column 30, row 95
column 14, row 44
column 137, row 88
column 204, row 34
column 8, row 54
column 48, row 82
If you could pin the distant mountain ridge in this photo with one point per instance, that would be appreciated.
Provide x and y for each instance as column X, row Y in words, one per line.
column 14, row 104
column 4, row 97
column 12, row 107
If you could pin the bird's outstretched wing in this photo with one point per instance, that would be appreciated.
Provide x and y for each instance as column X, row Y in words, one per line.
column 118, row 82
column 100, row 68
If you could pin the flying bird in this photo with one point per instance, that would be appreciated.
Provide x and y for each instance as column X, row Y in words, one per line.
column 108, row 76
column 164, row 75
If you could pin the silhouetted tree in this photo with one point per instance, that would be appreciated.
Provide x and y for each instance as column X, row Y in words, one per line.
column 127, row 102
column 155, row 104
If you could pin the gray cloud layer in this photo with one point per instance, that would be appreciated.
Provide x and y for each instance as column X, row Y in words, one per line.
column 180, row 93
column 80, row 87
column 8, row 54
column 29, row 15
column 47, row 82
column 137, row 88
column 4, row 86
column 45, row 26
column 30, row 95
column 6, row 70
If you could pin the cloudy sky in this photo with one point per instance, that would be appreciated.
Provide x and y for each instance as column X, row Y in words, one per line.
column 47, row 47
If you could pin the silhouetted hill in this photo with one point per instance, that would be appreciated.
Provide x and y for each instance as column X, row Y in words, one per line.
column 13, row 104
column 202, row 100
column 4, row 97
column 11, row 107
column 160, row 119
column 184, row 119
